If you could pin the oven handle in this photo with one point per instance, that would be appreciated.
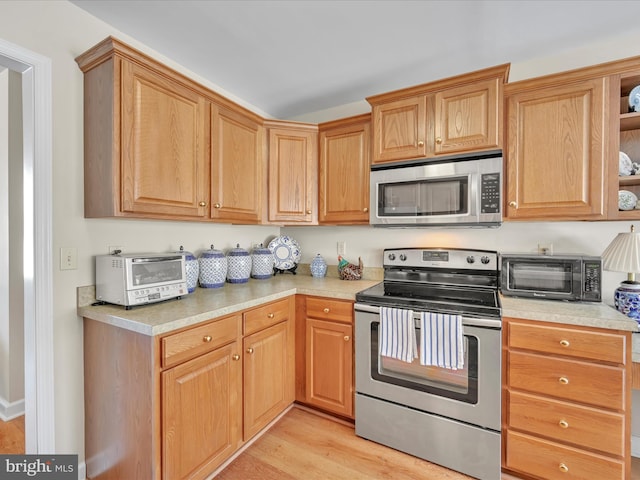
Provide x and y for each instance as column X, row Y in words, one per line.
column 472, row 322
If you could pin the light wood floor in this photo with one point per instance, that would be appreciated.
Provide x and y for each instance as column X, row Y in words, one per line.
column 306, row 446
column 12, row 436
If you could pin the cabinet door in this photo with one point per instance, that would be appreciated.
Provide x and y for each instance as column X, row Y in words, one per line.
column 201, row 413
column 329, row 375
column 467, row 118
column 236, row 167
column 268, row 376
column 399, row 129
column 555, row 162
column 163, row 146
column 344, row 174
column 293, row 176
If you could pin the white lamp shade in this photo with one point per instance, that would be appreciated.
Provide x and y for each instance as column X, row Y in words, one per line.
column 623, row 254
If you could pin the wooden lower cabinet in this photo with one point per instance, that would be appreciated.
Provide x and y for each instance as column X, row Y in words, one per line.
column 566, row 401
column 324, row 354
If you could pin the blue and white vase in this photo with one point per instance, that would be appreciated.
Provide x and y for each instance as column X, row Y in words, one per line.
column 318, row 266
column 239, row 268
column 213, row 268
column 261, row 263
column 192, row 268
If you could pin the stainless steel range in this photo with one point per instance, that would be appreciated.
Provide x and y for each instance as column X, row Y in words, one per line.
column 447, row 416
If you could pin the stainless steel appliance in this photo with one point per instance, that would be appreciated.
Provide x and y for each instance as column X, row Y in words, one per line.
column 137, row 279
column 449, row 417
column 554, row 277
column 464, row 190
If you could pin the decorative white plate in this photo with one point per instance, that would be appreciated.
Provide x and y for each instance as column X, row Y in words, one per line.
column 625, row 165
column 286, row 252
column 634, row 99
column 626, row 200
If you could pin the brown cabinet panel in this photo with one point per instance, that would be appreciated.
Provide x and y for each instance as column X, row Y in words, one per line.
column 556, row 166
column 344, row 166
column 201, row 414
column 328, row 309
column 399, row 129
column 259, row 318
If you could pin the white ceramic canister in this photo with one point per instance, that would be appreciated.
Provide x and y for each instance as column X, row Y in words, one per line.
column 261, row 263
column 239, row 269
column 213, row 268
column 192, row 267
column 318, row 266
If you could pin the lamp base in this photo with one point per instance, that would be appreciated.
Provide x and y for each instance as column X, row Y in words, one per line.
column 627, row 299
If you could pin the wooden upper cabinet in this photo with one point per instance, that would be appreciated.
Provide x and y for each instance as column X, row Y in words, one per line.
column 556, row 166
column 237, row 164
column 455, row 115
column 344, row 165
column 293, row 173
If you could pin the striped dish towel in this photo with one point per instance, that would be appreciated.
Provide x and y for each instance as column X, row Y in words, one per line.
column 398, row 334
column 441, row 340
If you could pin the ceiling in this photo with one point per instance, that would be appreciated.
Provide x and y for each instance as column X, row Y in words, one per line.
column 288, row 58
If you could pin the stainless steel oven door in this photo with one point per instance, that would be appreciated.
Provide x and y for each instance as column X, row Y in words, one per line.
column 471, row 395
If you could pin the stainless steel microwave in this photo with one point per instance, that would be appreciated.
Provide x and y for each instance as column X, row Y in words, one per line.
column 453, row 191
column 137, row 279
column 554, row 277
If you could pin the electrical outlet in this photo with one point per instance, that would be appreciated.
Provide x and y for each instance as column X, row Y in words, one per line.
column 114, row 249
column 68, row 258
column 545, row 248
column 342, row 248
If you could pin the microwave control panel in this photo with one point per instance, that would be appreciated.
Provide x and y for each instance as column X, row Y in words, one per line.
column 490, row 193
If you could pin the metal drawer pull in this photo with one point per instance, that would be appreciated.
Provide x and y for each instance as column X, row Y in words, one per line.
column 347, row 338
column 203, row 204
column 249, row 350
column 564, row 343
column 326, row 310
column 236, row 357
column 563, row 424
column 564, row 380
column 206, row 338
column 563, row 468
column 270, row 315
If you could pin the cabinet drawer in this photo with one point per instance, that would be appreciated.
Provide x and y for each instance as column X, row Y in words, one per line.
column 602, row 346
column 187, row 344
column 326, row 309
column 262, row 317
column 599, row 385
column 551, row 461
column 565, row 422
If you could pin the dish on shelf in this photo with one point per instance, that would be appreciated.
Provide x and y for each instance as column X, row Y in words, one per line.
column 286, row 252
column 634, row 99
column 627, row 200
column 625, row 165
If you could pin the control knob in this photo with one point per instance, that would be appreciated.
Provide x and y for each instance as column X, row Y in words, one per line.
column 403, row 257
column 485, row 259
column 471, row 259
column 392, row 256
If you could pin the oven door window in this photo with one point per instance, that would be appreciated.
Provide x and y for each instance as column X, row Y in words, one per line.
column 424, row 198
column 461, row 385
column 152, row 273
column 541, row 277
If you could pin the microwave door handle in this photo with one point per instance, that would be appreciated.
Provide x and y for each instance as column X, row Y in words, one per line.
column 156, row 259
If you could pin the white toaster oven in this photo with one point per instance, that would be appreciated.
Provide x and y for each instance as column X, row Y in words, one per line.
column 137, row 279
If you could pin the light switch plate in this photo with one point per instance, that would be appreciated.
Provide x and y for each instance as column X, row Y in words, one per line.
column 68, row 258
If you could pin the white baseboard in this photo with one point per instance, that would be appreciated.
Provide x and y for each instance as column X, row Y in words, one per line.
column 635, row 446
column 11, row 410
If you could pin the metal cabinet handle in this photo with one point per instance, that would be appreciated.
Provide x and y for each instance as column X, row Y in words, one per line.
column 563, row 424
column 308, row 212
column 206, row 338
column 326, row 310
column 203, row 204
column 365, row 209
column 564, row 343
column 563, row 468
column 270, row 315
column 249, row 350
column 421, row 143
column 563, row 380
column 438, row 140
column 513, row 204
column 235, row 357
column 216, row 205
column 347, row 338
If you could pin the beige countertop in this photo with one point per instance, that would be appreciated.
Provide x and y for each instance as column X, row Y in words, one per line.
column 207, row 303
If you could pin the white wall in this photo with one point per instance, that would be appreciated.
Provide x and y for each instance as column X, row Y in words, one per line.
column 61, row 31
